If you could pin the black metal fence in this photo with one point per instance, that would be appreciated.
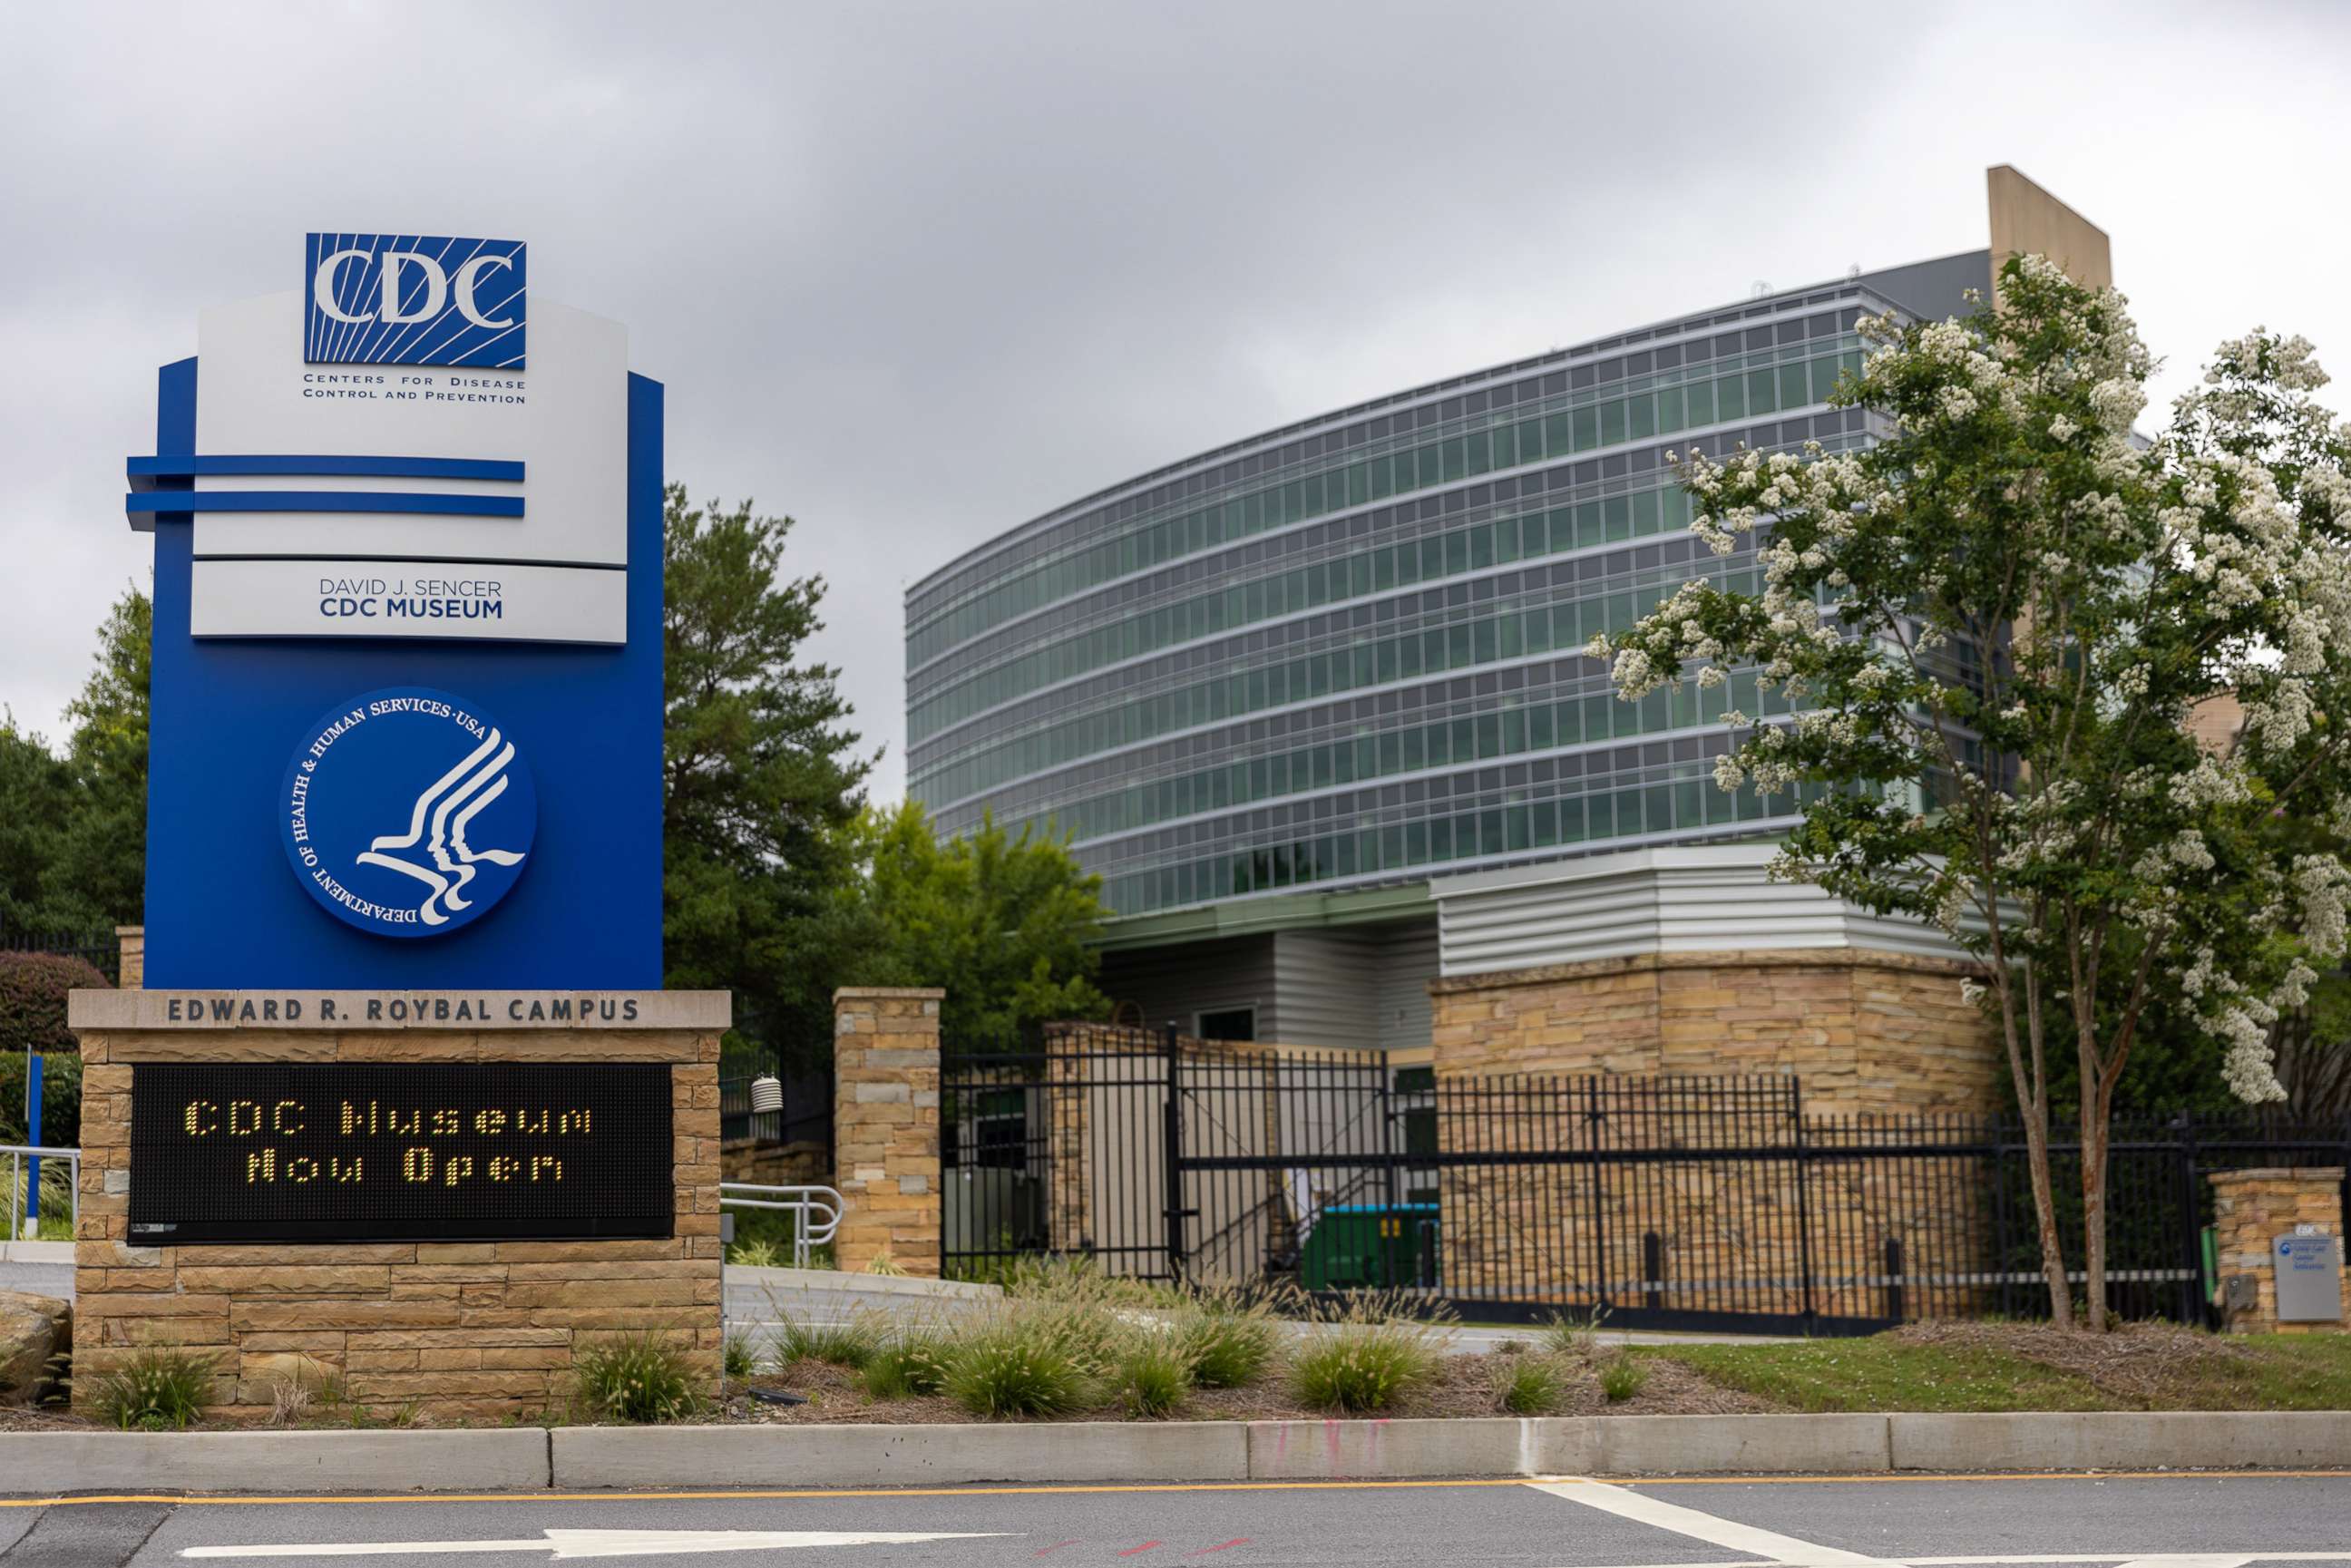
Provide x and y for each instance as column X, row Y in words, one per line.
column 1667, row 1202
column 100, row 948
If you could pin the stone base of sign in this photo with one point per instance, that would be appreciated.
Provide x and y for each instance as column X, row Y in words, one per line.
column 885, row 1127
column 2251, row 1208
column 445, row 1329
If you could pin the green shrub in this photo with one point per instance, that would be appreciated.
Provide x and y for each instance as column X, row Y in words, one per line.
column 638, row 1377
column 1153, row 1375
column 740, row 1357
column 1621, row 1377
column 1360, row 1366
column 1226, row 1344
column 1527, row 1385
column 1019, row 1363
column 850, row 1344
column 32, row 988
column 159, row 1388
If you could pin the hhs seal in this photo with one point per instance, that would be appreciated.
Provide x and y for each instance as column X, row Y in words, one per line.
column 407, row 812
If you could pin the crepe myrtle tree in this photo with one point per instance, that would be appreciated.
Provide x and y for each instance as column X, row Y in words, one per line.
column 1994, row 628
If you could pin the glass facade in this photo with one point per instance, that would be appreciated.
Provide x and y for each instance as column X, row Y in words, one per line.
column 1347, row 652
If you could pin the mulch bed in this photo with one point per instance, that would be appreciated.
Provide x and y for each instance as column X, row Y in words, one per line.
column 1464, row 1386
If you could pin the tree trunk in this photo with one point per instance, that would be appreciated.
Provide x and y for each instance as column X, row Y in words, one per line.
column 2045, row 1216
column 2094, row 1215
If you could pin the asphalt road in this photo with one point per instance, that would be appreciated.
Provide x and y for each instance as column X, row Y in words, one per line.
column 2173, row 1521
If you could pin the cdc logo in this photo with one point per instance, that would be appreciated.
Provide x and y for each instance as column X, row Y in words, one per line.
column 407, row 812
column 413, row 300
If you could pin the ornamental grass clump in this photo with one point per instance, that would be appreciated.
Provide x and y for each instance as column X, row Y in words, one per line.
column 911, row 1363
column 1365, row 1355
column 850, row 1342
column 1527, row 1385
column 640, row 1379
column 1621, row 1377
column 1019, row 1363
column 161, row 1388
column 1153, row 1375
column 1227, row 1342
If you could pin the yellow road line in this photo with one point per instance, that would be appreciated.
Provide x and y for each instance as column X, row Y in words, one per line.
column 216, row 1499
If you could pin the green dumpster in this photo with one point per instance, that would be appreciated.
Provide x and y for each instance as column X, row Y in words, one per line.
column 1358, row 1246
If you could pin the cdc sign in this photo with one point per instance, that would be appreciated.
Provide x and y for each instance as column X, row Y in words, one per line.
column 413, row 300
column 407, row 695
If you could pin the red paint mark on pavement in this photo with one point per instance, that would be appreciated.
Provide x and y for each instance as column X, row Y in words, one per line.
column 1225, row 1546
column 1144, row 1547
column 1055, row 1547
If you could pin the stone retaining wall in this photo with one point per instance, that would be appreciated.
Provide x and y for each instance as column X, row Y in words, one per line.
column 457, row 1328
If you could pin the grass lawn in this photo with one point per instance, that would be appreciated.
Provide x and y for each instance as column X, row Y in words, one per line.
column 1990, row 1366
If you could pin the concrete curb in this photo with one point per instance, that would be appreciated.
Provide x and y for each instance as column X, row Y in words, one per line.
column 501, row 1459
column 591, row 1457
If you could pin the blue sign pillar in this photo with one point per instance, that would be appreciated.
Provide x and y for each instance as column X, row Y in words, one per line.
column 362, row 555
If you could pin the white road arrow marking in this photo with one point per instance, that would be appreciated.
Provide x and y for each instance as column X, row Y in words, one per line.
column 566, row 1544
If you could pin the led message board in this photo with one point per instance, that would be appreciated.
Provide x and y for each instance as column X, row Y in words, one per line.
column 263, row 1152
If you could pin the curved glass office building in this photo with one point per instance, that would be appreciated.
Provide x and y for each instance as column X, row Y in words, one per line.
column 1273, row 689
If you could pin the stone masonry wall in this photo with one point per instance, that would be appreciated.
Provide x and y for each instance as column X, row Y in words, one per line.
column 1864, row 1034
column 885, row 1127
column 2250, row 1209
column 462, row 1329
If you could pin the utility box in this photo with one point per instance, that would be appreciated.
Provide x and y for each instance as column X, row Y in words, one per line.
column 2309, row 1273
column 1359, row 1246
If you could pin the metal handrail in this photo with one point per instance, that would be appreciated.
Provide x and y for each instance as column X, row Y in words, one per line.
column 18, row 1155
column 818, row 1208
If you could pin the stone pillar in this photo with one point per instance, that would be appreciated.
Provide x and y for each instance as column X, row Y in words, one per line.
column 885, row 1133
column 131, row 950
column 2251, row 1208
column 457, row 1329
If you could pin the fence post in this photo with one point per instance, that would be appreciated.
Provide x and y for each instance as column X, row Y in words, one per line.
column 1894, row 1278
column 1171, row 1160
column 1804, row 1197
column 2191, row 1234
column 1593, row 1117
column 885, row 1051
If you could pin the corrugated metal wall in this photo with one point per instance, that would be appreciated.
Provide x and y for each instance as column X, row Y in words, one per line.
column 1408, row 963
column 1714, row 898
column 1357, row 988
column 1181, row 982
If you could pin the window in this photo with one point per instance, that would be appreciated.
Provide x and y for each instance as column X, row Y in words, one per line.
column 1229, row 1023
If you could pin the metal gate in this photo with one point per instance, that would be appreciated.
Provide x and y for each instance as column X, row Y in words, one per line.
column 1663, row 1201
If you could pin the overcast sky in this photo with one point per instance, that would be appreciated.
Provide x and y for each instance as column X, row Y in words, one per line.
column 919, row 274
